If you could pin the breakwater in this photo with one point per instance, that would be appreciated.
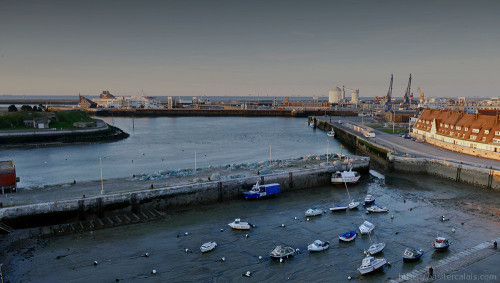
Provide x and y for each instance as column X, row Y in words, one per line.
column 166, row 198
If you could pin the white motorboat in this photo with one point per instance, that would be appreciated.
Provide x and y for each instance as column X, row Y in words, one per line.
column 441, row 244
column 331, row 133
column 369, row 199
column 318, row 246
column 349, row 177
column 375, row 248
column 338, row 208
column 366, row 227
column 313, row 211
column 237, row 224
column 370, row 264
column 281, row 252
column 208, row 246
column 376, row 208
column 353, row 205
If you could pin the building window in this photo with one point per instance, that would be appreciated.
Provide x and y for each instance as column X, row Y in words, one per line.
column 459, row 128
column 484, row 139
column 496, row 140
column 475, row 130
column 440, row 124
column 466, row 129
column 486, row 132
column 446, row 126
column 473, row 137
column 497, row 133
column 451, row 133
column 451, row 126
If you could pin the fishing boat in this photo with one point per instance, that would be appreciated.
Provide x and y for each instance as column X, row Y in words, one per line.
column 208, row 246
column 353, row 204
column 441, row 244
column 376, row 208
column 369, row 199
column 350, row 177
column 331, row 133
column 262, row 191
column 237, row 224
column 313, row 211
column 318, row 246
column 281, row 252
column 412, row 254
column 366, row 227
column 370, row 264
column 338, row 208
column 347, row 236
column 375, row 248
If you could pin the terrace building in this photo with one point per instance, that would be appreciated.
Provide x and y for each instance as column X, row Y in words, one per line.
column 473, row 134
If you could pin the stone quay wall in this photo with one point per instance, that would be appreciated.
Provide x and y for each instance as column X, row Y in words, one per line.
column 168, row 197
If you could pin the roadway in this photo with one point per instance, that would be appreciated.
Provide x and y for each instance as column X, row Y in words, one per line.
column 402, row 146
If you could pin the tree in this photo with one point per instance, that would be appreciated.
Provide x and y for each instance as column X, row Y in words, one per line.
column 12, row 108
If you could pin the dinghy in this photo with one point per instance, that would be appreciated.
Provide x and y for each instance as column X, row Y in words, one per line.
column 412, row 254
column 313, row 211
column 237, row 224
column 208, row 246
column 347, row 236
column 366, row 227
column 281, row 252
column 338, row 208
column 376, row 208
column 375, row 248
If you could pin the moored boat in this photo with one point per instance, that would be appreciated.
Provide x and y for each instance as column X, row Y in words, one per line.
column 318, row 246
column 370, row 264
column 237, row 224
column 348, row 177
column 412, row 254
column 366, row 227
column 331, row 133
column 369, row 199
column 313, row 211
column 353, row 205
column 375, row 248
column 281, row 252
column 208, row 246
column 441, row 244
column 262, row 191
column 338, row 208
column 347, row 236
column 376, row 208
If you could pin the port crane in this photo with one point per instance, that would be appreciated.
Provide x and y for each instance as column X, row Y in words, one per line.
column 406, row 98
column 388, row 103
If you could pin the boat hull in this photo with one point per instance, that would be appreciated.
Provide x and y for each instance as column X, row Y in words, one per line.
column 370, row 269
column 440, row 249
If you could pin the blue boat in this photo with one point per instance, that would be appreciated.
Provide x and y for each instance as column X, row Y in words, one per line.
column 412, row 254
column 369, row 199
column 262, row 191
column 347, row 236
column 441, row 244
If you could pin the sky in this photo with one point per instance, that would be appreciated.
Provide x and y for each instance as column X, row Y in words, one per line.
column 258, row 47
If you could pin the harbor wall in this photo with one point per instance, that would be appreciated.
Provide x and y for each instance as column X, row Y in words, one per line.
column 475, row 175
column 166, row 198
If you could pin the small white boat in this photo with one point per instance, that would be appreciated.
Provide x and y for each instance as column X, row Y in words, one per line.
column 369, row 199
column 366, row 227
column 331, row 133
column 376, row 208
column 313, row 211
column 353, row 205
column 441, row 244
column 375, row 248
column 208, row 246
column 311, row 124
column 318, row 246
column 338, row 208
column 281, row 252
column 348, row 177
column 237, row 224
column 370, row 264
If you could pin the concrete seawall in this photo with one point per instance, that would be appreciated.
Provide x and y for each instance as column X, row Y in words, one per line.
column 478, row 176
column 166, row 197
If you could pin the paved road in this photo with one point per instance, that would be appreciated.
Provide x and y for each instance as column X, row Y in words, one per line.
column 413, row 148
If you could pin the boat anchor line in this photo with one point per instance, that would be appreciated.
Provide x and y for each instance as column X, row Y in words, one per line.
column 417, row 274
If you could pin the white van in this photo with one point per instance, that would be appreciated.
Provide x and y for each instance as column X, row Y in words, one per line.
column 369, row 134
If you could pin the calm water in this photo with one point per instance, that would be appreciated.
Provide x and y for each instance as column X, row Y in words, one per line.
column 170, row 143
column 119, row 250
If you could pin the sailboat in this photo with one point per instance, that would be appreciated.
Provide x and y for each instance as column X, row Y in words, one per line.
column 374, row 248
column 353, row 204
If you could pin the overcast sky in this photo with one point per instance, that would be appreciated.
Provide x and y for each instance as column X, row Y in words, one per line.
column 275, row 48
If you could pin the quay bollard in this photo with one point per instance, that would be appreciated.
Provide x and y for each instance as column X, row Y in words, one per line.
column 431, row 271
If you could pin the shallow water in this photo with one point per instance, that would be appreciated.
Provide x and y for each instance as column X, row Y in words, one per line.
column 119, row 250
column 164, row 143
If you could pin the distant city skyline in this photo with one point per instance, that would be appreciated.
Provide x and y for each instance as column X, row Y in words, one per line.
column 241, row 48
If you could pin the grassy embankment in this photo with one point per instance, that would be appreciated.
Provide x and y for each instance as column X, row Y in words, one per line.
column 58, row 120
column 388, row 130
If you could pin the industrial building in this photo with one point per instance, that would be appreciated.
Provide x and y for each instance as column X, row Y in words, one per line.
column 337, row 95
